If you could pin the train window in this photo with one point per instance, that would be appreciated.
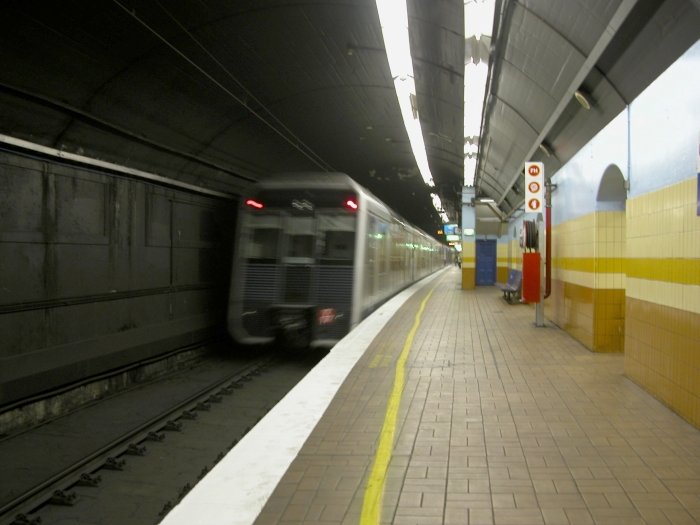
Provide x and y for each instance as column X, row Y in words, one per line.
column 339, row 245
column 336, row 222
column 263, row 243
column 337, row 237
column 264, row 234
column 300, row 237
column 301, row 246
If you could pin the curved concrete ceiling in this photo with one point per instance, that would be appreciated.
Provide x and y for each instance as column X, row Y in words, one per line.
column 221, row 93
column 608, row 50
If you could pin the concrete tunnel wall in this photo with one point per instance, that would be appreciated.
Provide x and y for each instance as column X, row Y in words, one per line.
column 98, row 271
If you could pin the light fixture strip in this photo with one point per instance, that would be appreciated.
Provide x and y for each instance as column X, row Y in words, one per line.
column 478, row 23
column 393, row 18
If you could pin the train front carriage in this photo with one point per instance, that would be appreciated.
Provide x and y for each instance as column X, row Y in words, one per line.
column 293, row 272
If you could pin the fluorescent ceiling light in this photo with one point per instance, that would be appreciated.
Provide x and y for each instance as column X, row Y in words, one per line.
column 583, row 98
column 437, row 204
column 469, row 170
column 393, row 18
column 478, row 18
column 478, row 23
column 474, row 87
column 470, row 148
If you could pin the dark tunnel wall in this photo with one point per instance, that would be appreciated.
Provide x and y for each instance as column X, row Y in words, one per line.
column 98, row 271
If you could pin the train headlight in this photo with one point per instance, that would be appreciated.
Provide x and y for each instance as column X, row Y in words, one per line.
column 350, row 204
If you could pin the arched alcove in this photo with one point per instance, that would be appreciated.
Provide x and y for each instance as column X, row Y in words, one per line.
column 612, row 193
column 610, row 242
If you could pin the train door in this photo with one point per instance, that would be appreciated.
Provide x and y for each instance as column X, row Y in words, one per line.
column 299, row 258
column 382, row 236
column 396, row 247
column 371, row 261
column 257, row 277
column 336, row 254
column 412, row 257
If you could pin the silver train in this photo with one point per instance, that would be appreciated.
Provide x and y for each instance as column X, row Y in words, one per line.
column 316, row 253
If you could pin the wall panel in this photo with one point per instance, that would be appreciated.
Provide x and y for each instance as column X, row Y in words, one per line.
column 663, row 296
column 94, row 266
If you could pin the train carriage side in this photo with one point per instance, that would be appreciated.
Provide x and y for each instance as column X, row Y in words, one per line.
column 372, row 276
column 391, row 255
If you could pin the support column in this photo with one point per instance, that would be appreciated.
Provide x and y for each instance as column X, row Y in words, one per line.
column 468, row 238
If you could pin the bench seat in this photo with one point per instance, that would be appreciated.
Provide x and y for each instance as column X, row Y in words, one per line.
column 511, row 289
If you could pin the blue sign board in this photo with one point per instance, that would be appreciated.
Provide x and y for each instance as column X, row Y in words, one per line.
column 450, row 229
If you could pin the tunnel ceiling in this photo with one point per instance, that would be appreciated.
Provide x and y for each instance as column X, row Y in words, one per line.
column 220, row 93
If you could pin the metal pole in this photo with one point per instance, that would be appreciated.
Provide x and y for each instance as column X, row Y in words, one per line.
column 539, row 307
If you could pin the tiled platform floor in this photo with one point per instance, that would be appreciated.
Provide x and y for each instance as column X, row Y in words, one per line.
column 500, row 422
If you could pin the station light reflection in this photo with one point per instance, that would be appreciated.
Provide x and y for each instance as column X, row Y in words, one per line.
column 393, row 17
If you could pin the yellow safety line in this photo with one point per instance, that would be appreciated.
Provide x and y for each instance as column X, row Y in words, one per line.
column 372, row 503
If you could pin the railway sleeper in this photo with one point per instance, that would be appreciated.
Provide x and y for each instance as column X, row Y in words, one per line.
column 61, row 497
column 136, row 450
column 188, row 414
column 184, row 490
column 22, row 519
column 174, row 426
column 88, row 480
column 113, row 463
column 166, row 508
column 155, row 436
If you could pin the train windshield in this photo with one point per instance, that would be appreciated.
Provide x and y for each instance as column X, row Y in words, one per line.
column 301, row 236
column 264, row 235
column 302, row 227
column 337, row 238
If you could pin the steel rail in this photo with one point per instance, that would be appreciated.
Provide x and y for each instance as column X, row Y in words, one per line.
column 25, row 503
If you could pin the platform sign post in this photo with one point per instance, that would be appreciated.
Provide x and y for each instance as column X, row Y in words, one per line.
column 534, row 187
column 539, row 307
column 534, row 203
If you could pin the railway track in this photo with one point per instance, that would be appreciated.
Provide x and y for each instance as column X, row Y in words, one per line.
column 132, row 457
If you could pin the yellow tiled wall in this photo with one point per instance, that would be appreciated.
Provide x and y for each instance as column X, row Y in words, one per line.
column 588, row 297
column 502, row 263
column 570, row 304
column 662, row 350
column 609, row 294
column 468, row 265
column 516, row 255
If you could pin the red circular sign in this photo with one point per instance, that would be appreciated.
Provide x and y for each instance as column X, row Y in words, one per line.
column 534, row 187
column 533, row 204
column 534, row 170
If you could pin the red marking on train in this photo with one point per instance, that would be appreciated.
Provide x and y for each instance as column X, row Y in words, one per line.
column 326, row 315
column 254, row 204
column 350, row 204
